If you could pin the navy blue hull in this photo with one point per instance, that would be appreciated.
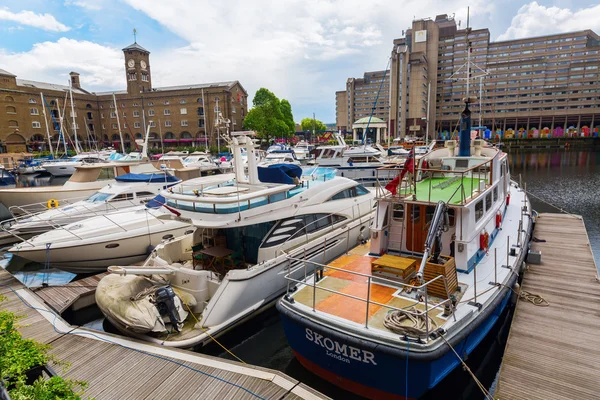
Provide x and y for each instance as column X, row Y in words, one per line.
column 372, row 370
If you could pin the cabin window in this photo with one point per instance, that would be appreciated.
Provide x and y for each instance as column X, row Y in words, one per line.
column 478, row 210
column 502, row 169
column 355, row 191
column 415, row 214
column 398, row 213
column 451, row 217
column 300, row 225
column 98, row 197
column 495, row 192
column 429, row 212
column 248, row 239
column 106, row 173
column 144, row 194
column 488, row 202
column 123, row 196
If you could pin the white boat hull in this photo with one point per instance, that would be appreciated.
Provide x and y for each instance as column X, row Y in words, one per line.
column 61, row 169
column 96, row 257
column 24, row 196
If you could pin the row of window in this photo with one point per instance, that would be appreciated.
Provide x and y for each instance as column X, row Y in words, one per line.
column 488, row 200
column 300, row 225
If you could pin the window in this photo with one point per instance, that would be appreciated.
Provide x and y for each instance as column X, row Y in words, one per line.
column 184, row 123
column 144, row 194
column 168, row 124
column 136, row 113
column 183, row 111
column 488, row 202
column 136, row 124
column 135, row 104
column 167, row 112
column 124, row 124
column 34, row 111
column 166, row 102
column 32, row 101
column 150, row 103
column 182, row 101
column 200, row 111
column 131, row 77
column 495, row 193
column 233, row 110
column 451, row 216
column 355, row 191
column 478, row 210
column 101, row 115
column 200, row 123
column 152, row 124
column 113, row 114
column 398, row 212
column 114, row 126
column 123, row 196
column 124, row 114
column 151, row 113
column 300, row 225
column 144, row 77
column 36, row 125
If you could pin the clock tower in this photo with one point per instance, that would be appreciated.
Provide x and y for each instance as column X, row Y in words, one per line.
column 137, row 69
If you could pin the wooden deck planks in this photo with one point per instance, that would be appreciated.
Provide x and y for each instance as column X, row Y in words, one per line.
column 554, row 352
column 115, row 372
column 60, row 298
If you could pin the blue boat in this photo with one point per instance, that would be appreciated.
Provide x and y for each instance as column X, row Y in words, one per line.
column 394, row 316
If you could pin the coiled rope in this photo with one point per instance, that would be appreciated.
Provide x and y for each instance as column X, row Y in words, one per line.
column 409, row 322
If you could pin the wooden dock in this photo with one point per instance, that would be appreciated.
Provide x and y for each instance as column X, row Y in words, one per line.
column 82, row 292
column 554, row 352
column 121, row 368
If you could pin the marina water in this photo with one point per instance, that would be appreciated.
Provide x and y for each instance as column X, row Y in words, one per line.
column 565, row 179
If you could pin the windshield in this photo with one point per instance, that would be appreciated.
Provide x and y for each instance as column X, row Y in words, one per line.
column 98, row 197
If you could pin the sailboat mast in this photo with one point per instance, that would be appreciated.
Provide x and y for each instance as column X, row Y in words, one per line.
column 119, row 124
column 205, row 122
column 62, row 132
column 77, row 149
column 46, row 122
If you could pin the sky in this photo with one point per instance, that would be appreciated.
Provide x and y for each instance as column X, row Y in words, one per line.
column 302, row 50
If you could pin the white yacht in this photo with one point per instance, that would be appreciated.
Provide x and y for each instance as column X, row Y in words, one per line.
column 86, row 180
column 233, row 265
column 279, row 157
column 128, row 191
column 358, row 163
column 67, row 167
column 302, row 150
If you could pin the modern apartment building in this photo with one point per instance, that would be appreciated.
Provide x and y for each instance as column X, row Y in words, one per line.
column 186, row 115
column 534, row 83
column 361, row 97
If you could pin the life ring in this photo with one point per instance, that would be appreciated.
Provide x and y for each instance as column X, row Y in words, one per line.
column 52, row 203
column 484, row 239
column 498, row 219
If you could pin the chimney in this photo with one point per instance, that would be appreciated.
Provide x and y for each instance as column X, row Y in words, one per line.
column 74, row 79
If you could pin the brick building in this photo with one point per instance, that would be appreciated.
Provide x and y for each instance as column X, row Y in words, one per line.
column 177, row 115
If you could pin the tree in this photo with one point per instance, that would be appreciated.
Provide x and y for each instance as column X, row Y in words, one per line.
column 268, row 118
column 286, row 109
column 308, row 124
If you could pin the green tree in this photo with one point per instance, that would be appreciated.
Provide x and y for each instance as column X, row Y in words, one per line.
column 307, row 124
column 266, row 117
column 286, row 109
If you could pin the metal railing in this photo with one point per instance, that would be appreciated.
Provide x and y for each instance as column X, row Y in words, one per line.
column 420, row 289
column 466, row 190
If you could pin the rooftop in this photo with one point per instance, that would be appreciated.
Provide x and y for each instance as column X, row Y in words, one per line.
column 228, row 85
column 6, row 73
column 48, row 86
column 137, row 47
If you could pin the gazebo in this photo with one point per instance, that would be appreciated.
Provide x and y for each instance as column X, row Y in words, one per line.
column 377, row 129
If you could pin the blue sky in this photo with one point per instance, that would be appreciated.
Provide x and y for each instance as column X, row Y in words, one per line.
column 303, row 50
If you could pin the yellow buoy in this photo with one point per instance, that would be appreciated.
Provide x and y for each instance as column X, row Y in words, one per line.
column 52, row 203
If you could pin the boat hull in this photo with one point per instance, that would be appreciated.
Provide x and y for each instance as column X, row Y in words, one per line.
column 38, row 198
column 96, row 257
column 373, row 370
column 61, row 170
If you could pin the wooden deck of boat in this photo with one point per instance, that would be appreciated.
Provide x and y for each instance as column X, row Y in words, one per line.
column 60, row 298
column 554, row 352
column 121, row 368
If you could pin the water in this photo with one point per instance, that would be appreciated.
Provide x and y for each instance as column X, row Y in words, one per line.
column 567, row 179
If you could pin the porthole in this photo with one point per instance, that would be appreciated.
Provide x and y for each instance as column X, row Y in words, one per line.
column 167, row 237
column 189, row 232
column 112, row 246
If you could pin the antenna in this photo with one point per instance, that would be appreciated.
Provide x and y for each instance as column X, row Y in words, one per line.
column 468, row 12
column 134, row 35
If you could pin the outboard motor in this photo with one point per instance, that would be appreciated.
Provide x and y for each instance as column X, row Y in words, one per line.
column 164, row 299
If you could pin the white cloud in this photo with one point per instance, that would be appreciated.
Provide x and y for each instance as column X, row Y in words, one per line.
column 534, row 19
column 92, row 5
column 43, row 21
column 303, row 50
column 100, row 67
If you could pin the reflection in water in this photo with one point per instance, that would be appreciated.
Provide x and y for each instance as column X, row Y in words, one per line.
column 567, row 179
column 33, row 274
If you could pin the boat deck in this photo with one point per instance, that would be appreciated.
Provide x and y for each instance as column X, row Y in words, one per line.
column 121, row 368
column 347, row 283
column 446, row 189
column 554, row 352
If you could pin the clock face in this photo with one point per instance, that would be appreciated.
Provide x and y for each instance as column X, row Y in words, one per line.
column 143, row 64
column 130, row 63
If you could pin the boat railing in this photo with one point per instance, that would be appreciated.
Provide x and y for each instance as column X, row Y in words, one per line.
column 30, row 210
column 468, row 188
column 421, row 290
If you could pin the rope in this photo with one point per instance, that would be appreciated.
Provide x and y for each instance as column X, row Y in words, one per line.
column 406, row 378
column 533, row 298
column 395, row 321
column 483, row 389
column 84, row 333
column 550, row 204
column 210, row 336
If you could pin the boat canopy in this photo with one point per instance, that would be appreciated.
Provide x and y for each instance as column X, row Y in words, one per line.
column 156, row 202
column 150, row 178
column 279, row 173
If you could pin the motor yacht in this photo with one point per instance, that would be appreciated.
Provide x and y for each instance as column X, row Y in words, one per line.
column 234, row 263
column 302, row 150
column 279, row 157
